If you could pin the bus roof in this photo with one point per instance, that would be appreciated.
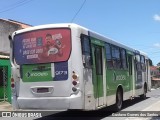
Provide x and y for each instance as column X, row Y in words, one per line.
column 58, row 25
column 91, row 33
column 108, row 40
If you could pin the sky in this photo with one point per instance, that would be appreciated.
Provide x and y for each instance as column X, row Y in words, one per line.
column 135, row 23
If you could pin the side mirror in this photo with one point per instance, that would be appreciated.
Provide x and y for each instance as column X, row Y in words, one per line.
column 9, row 37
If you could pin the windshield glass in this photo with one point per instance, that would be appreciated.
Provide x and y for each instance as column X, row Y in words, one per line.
column 42, row 46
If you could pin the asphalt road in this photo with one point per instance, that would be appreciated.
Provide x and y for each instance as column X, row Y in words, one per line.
column 136, row 109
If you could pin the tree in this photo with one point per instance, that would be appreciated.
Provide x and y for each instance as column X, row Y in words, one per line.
column 158, row 64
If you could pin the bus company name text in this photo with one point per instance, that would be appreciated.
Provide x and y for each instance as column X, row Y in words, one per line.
column 21, row 114
column 120, row 77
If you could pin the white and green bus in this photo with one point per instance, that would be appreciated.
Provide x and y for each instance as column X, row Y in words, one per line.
column 66, row 66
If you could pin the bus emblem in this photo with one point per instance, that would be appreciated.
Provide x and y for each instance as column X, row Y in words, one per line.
column 28, row 74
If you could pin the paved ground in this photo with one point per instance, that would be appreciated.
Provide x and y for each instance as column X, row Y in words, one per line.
column 5, row 106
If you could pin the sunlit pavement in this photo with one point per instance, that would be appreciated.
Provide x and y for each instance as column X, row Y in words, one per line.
column 5, row 106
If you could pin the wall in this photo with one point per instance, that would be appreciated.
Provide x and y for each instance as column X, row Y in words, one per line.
column 6, row 28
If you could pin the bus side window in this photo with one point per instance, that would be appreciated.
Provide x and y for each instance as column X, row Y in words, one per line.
column 138, row 62
column 124, row 58
column 86, row 51
column 109, row 56
column 116, row 57
column 143, row 63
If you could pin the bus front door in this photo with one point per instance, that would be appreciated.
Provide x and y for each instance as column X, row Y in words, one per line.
column 131, row 75
column 97, row 57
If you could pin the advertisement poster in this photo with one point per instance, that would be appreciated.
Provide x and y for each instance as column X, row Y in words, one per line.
column 42, row 46
column 36, row 73
column 44, row 72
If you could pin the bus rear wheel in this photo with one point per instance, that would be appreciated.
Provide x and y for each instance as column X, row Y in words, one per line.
column 119, row 100
column 143, row 96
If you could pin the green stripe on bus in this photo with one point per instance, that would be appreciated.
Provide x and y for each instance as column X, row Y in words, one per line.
column 36, row 73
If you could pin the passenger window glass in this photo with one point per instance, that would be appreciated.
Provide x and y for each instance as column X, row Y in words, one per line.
column 143, row 65
column 116, row 57
column 138, row 63
column 85, row 46
column 86, row 51
column 108, row 55
column 124, row 58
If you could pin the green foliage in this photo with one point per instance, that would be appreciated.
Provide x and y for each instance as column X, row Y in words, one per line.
column 158, row 64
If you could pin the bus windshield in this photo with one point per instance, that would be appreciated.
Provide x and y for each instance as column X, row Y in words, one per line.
column 42, row 46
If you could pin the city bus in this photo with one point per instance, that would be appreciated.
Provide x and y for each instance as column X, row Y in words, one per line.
column 67, row 67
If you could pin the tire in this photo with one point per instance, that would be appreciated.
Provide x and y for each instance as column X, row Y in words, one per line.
column 143, row 96
column 119, row 100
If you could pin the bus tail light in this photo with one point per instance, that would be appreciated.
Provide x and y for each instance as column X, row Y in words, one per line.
column 74, row 76
column 12, row 83
column 74, row 89
column 75, row 82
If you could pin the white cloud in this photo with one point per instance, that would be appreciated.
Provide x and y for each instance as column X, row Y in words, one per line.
column 156, row 45
column 156, row 17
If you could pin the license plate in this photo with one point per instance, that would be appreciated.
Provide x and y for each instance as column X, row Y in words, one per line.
column 42, row 90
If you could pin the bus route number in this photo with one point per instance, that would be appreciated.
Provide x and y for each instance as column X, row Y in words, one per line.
column 57, row 73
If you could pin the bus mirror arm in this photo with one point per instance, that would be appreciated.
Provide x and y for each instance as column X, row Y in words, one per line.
column 11, row 46
column 10, row 40
column 9, row 37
